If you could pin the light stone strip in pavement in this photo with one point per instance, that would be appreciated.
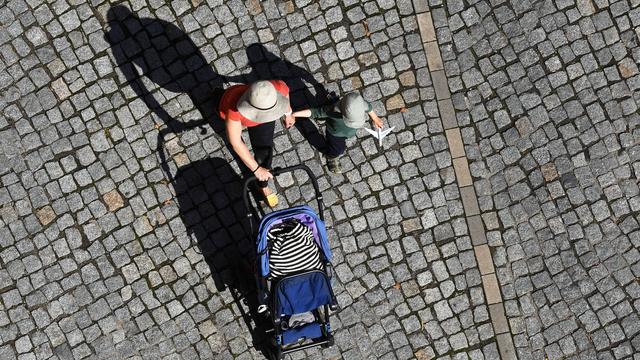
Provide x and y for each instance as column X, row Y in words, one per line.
column 465, row 182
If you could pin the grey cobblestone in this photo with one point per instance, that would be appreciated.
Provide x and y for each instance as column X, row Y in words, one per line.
column 539, row 138
column 120, row 216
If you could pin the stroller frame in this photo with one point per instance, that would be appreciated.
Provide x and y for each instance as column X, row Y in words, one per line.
column 266, row 287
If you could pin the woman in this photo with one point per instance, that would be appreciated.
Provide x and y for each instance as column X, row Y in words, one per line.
column 256, row 107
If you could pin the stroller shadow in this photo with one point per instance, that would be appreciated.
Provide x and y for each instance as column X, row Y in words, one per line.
column 158, row 53
column 209, row 195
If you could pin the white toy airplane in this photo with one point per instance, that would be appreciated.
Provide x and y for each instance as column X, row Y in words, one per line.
column 379, row 133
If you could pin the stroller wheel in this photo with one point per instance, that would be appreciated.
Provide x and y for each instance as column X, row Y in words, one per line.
column 276, row 354
column 330, row 342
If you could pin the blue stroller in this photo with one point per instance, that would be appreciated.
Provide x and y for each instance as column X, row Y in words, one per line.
column 297, row 304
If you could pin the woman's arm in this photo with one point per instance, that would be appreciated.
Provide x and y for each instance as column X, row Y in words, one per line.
column 234, row 131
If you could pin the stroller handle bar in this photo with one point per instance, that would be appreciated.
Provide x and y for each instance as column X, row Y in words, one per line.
column 279, row 171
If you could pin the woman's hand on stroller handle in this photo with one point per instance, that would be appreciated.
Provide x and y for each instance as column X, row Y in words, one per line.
column 263, row 174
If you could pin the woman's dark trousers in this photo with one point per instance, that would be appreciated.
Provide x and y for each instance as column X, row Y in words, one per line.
column 261, row 138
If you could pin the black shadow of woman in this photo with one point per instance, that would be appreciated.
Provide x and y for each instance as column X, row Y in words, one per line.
column 208, row 191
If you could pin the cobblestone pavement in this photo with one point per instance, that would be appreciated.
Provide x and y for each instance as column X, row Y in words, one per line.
column 121, row 231
column 547, row 96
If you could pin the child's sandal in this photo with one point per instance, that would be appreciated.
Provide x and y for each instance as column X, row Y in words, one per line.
column 333, row 164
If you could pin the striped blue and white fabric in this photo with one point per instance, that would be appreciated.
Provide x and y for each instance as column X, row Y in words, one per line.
column 293, row 249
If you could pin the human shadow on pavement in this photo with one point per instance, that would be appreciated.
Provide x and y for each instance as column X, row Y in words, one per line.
column 158, row 53
column 207, row 191
column 209, row 195
column 170, row 59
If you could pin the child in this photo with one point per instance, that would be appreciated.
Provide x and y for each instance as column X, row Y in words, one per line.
column 343, row 118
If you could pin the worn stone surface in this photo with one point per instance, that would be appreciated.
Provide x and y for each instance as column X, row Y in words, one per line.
column 546, row 94
column 122, row 231
column 113, row 200
column 456, row 147
column 45, row 215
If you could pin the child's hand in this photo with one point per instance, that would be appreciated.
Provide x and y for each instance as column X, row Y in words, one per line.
column 377, row 122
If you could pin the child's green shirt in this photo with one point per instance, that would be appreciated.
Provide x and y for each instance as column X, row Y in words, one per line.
column 334, row 120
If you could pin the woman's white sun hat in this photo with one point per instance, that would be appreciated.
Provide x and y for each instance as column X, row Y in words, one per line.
column 262, row 103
